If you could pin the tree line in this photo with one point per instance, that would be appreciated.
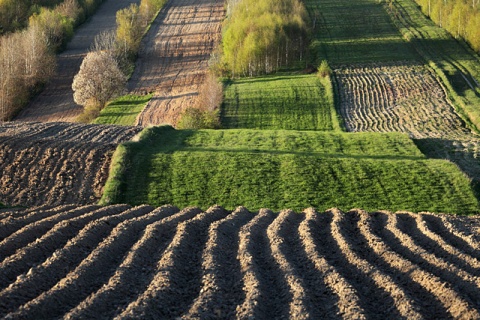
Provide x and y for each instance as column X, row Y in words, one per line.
column 262, row 36
column 106, row 68
column 15, row 14
column 459, row 17
column 27, row 56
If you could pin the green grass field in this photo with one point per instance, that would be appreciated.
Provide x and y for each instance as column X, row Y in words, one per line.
column 123, row 110
column 285, row 169
column 292, row 102
column 358, row 31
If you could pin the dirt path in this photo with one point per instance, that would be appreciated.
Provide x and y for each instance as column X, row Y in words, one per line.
column 174, row 57
column 143, row 262
column 55, row 102
column 56, row 163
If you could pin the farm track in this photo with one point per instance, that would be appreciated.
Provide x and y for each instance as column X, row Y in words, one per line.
column 56, row 163
column 55, row 102
column 174, row 58
column 142, row 262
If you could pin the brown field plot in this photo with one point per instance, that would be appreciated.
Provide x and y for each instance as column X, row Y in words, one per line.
column 174, row 58
column 56, row 163
column 55, row 102
column 405, row 98
column 124, row 262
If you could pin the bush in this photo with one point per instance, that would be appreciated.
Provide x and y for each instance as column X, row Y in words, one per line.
column 324, row 69
column 193, row 118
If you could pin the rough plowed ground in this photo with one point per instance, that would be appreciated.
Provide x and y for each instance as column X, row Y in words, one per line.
column 56, row 163
column 405, row 98
column 174, row 57
column 124, row 262
column 55, row 103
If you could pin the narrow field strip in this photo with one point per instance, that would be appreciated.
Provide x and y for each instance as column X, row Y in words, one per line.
column 141, row 262
column 61, row 163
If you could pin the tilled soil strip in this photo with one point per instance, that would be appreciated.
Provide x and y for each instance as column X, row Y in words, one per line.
column 134, row 273
column 93, row 271
column 384, row 287
column 222, row 278
column 44, row 247
column 344, row 298
column 36, row 230
column 410, row 262
column 178, row 276
column 12, row 224
column 44, row 276
column 267, row 295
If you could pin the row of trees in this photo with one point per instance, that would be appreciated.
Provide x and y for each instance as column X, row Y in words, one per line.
column 460, row 17
column 105, row 70
column 15, row 14
column 261, row 36
column 27, row 57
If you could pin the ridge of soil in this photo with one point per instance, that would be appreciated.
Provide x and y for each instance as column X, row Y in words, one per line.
column 56, row 163
column 165, row 263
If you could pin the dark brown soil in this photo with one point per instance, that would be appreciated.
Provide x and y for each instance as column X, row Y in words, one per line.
column 161, row 263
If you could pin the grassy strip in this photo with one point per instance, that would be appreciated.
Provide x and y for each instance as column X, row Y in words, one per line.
column 123, row 110
column 454, row 62
column 290, row 170
column 359, row 31
column 293, row 102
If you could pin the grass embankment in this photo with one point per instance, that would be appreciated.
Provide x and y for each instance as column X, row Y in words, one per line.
column 293, row 102
column 355, row 32
column 123, row 110
column 456, row 64
column 285, row 169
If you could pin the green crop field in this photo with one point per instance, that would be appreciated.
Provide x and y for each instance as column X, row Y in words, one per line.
column 285, row 169
column 293, row 102
column 355, row 32
column 123, row 110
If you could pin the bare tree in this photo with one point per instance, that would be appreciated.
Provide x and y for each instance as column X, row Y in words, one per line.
column 98, row 81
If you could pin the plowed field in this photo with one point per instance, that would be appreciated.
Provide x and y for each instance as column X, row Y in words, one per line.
column 56, row 163
column 174, row 57
column 56, row 103
column 396, row 98
column 118, row 261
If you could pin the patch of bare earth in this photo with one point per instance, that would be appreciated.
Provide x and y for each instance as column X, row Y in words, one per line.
column 174, row 58
column 123, row 262
column 56, row 163
column 55, row 102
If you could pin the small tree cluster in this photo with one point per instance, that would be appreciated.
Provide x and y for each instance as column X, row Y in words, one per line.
column 262, row 36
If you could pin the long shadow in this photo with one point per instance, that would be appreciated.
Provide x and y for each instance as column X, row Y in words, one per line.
column 448, row 149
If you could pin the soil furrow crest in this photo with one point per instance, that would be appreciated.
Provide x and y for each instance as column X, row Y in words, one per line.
column 372, row 284
column 222, row 279
column 455, row 304
column 344, row 300
column 266, row 293
column 135, row 272
column 43, row 247
column 43, row 277
column 94, row 270
column 36, row 230
column 177, row 281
